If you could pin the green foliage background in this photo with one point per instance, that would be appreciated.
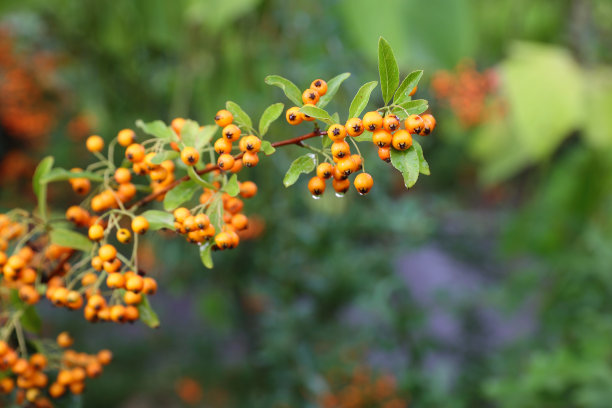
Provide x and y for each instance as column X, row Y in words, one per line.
column 542, row 251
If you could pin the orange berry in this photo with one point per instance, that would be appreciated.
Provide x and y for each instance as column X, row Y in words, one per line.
column 429, row 124
column 336, row 132
column 96, row 232
column 363, row 183
column 320, row 86
column 310, row 96
column 181, row 213
column 115, row 281
column 316, row 185
column 223, row 145
column 391, row 123
column 294, row 116
column 149, row 286
column 341, row 186
column 96, row 302
column 248, row 189
column 7, row 384
column 340, row 149
column 28, row 294
column 177, row 125
column 38, row 361
column 105, row 357
column 134, row 283
column 107, row 252
column 190, row 156
column 225, row 161
column 346, row 166
column 250, row 143
column 239, row 221
column 223, row 240
column 382, row 138
column 64, row 340
column 231, row 132
column 135, row 153
column 325, row 170
column 402, row 140
column 123, row 175
column 414, row 124
column 140, row 225
column 56, row 390
column 372, row 121
column 94, row 143
column 237, row 166
column 250, row 159
column 358, row 161
column 131, row 313
column 354, row 127
column 124, row 235
column 117, row 313
column 224, row 118
column 126, row 137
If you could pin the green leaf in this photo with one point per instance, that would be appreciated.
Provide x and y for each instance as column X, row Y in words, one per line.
column 159, row 219
column 30, row 320
column 407, row 86
column 215, row 213
column 303, row 164
column 240, row 116
column 206, row 254
column 39, row 186
column 318, row 113
column 232, row 187
column 180, row 194
column 205, row 135
column 406, row 109
column 360, row 101
column 326, row 142
column 163, row 156
column 423, row 165
column 267, row 147
column 271, row 113
column 194, row 176
column 388, row 70
column 336, row 117
column 407, row 162
column 189, row 133
column 59, row 174
column 289, row 88
column 147, row 314
column 332, row 87
column 70, row 239
column 158, row 129
column 364, row 137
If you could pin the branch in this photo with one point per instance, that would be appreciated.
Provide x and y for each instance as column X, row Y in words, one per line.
column 294, row 141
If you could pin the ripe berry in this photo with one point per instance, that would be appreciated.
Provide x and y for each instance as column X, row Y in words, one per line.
column 310, row 96
column 177, row 125
column 391, row 123
column 382, row 138
column 126, row 137
column 384, row 153
column 190, row 156
column 305, row 116
column 250, row 159
column 237, row 166
column 222, row 145
column 239, row 221
column 294, row 116
column 134, row 283
column 64, row 340
column 202, row 221
column 231, row 132
column 402, row 140
column 107, row 252
column 135, row 153
column 140, row 225
column 149, row 286
column 341, row 186
column 336, row 132
column 124, row 235
column 372, row 121
column 123, row 175
column 223, row 240
column 414, row 124
column 346, row 166
column 225, row 161
column 320, row 86
column 132, row 298
column 340, row 149
column 338, row 175
column 115, row 281
column 180, row 214
column 223, row 118
column 248, row 189
column 251, row 143
column 358, row 161
column 316, row 185
column 96, row 232
column 94, row 143
column 117, row 314
column 363, row 183
column 324, row 170
column 354, row 127
column 429, row 124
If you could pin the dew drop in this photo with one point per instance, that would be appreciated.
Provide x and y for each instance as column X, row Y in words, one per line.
column 339, row 194
column 316, row 197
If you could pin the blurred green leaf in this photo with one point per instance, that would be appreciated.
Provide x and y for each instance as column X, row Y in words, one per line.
column 215, row 213
column 407, row 162
column 406, row 109
column 303, row 164
column 30, row 320
column 388, row 70
column 189, row 133
column 39, row 186
column 180, row 194
column 271, row 113
column 206, row 255
column 240, row 116
column 361, row 99
column 165, row 155
column 364, row 137
column 267, row 147
column 232, row 187
column 332, row 88
column 70, row 239
column 147, row 314
column 423, row 165
column 318, row 113
column 407, row 86
column 59, row 174
column 158, row 129
column 289, row 88
column 159, row 219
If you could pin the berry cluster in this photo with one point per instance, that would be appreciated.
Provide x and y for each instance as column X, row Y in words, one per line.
column 30, row 378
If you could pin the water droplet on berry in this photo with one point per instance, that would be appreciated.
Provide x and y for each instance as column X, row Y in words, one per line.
column 339, row 194
column 316, row 197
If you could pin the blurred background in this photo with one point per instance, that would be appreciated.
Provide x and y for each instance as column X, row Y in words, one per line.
column 487, row 285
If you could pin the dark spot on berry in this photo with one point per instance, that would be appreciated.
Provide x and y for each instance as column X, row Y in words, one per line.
column 318, row 83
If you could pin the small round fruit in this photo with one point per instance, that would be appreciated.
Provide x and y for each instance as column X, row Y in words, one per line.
column 316, row 185
column 391, row 123
column 231, row 132
column 385, row 154
column 222, row 145
column 294, row 116
column 96, row 232
column 107, row 252
column 414, row 124
column 325, row 170
column 310, row 96
column 372, row 121
column 124, row 235
column 140, row 225
column 320, row 86
column 341, row 186
column 346, row 166
column 123, row 175
column 354, row 127
column 252, row 144
column 225, row 161
column 250, row 159
column 340, row 150
column 429, row 124
column 248, row 189
column 135, row 153
column 336, row 132
column 363, row 183
column 180, row 214
column 224, row 118
column 177, row 125
column 94, row 143
column 382, row 138
column 190, row 156
column 126, row 137
column 402, row 140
